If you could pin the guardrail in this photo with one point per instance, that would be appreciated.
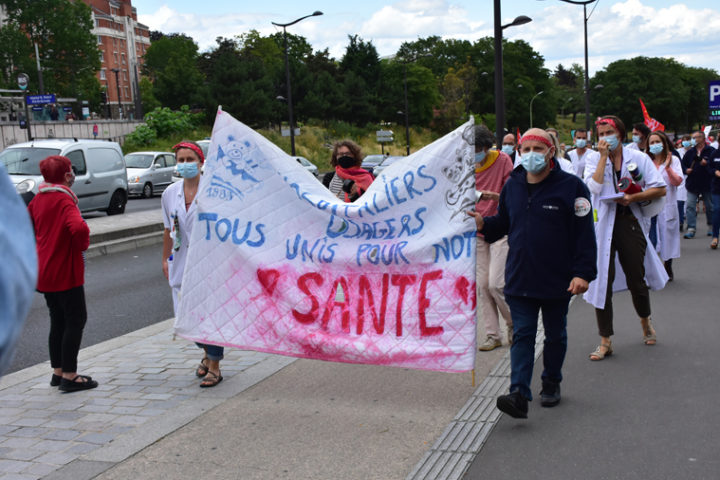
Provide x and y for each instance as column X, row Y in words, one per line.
column 116, row 130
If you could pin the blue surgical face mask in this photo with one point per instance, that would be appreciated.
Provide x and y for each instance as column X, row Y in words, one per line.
column 187, row 169
column 686, row 143
column 637, row 139
column 508, row 149
column 480, row 156
column 693, row 142
column 656, row 148
column 612, row 141
column 533, row 162
column 581, row 143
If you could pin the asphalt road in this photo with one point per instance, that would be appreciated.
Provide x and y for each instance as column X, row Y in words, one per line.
column 644, row 412
column 135, row 204
column 124, row 292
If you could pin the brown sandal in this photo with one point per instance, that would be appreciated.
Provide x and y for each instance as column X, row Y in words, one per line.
column 714, row 243
column 202, row 368
column 211, row 380
column 601, row 352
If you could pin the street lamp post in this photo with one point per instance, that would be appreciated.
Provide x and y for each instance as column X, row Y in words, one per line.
column 116, row 71
column 531, row 102
column 585, row 3
column 287, row 74
column 499, row 88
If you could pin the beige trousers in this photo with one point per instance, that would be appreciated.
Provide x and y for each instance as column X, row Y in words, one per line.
column 490, row 274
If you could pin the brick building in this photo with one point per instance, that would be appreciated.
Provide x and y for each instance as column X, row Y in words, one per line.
column 122, row 42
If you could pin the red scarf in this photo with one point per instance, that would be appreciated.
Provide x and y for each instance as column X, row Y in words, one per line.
column 361, row 177
column 55, row 187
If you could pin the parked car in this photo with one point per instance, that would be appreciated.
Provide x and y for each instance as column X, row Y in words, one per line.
column 100, row 176
column 385, row 163
column 371, row 161
column 204, row 145
column 149, row 172
column 309, row 166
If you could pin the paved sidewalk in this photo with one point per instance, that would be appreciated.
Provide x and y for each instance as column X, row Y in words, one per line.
column 146, row 391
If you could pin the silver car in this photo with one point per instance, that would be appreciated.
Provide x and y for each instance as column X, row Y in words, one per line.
column 100, row 178
column 308, row 165
column 385, row 163
column 149, row 172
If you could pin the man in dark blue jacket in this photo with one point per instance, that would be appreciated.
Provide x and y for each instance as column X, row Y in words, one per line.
column 547, row 216
column 696, row 165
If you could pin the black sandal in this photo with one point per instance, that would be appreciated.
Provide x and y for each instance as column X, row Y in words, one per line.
column 69, row 386
column 211, row 382
column 202, row 369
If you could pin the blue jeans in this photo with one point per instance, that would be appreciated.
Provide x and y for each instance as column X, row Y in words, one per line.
column 691, row 208
column 716, row 214
column 213, row 352
column 524, row 312
column 681, row 212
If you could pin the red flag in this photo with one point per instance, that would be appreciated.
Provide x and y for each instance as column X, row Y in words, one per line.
column 651, row 123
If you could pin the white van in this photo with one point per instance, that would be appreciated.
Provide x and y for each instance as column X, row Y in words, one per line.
column 100, row 175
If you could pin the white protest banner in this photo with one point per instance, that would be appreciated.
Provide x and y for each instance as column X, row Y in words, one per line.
column 278, row 264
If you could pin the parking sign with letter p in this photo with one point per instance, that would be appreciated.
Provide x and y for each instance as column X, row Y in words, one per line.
column 714, row 94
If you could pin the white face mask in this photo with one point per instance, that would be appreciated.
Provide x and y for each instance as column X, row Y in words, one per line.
column 580, row 143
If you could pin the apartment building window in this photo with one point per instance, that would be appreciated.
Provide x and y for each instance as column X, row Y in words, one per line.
column 125, row 75
column 102, row 57
column 122, row 55
column 116, row 57
column 102, row 74
column 125, row 89
column 99, row 40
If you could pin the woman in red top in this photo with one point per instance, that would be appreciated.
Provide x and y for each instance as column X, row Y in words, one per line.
column 61, row 236
column 348, row 181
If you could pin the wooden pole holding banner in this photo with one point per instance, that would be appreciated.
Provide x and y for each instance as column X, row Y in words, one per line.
column 473, row 377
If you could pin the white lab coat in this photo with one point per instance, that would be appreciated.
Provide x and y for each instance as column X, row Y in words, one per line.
column 173, row 205
column 579, row 161
column 668, row 220
column 655, row 275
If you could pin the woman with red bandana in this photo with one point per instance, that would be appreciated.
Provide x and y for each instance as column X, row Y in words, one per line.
column 348, row 181
column 61, row 237
column 622, row 228
column 179, row 214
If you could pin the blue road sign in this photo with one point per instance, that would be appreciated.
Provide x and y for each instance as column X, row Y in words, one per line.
column 40, row 99
column 714, row 95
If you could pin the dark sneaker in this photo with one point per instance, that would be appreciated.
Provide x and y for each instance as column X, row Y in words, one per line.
column 69, row 386
column 690, row 233
column 514, row 404
column 550, row 394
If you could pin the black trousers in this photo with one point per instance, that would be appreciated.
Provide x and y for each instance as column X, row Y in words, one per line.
column 68, row 315
column 629, row 242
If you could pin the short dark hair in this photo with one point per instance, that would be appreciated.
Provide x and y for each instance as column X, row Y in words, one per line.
column 580, row 130
column 483, row 137
column 642, row 128
column 619, row 125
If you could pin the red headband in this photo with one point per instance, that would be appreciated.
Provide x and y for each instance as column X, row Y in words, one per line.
column 606, row 121
column 192, row 147
column 537, row 138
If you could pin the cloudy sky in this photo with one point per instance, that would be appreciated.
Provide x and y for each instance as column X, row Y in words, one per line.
column 686, row 31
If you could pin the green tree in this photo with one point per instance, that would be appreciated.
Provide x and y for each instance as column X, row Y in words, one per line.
column 673, row 93
column 69, row 56
column 239, row 81
column 171, row 65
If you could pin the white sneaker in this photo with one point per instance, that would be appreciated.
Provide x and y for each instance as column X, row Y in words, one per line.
column 490, row 344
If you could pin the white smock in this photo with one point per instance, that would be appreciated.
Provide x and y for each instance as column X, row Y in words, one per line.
column 668, row 220
column 579, row 161
column 180, row 223
column 655, row 275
